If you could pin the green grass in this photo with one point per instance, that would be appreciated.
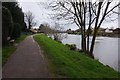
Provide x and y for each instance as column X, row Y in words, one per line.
column 63, row 62
column 10, row 48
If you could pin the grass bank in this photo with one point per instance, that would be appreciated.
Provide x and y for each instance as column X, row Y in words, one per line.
column 63, row 62
column 10, row 48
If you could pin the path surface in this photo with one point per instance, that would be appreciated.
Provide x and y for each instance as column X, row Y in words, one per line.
column 26, row 62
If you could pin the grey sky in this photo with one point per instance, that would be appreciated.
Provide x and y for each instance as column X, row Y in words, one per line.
column 41, row 14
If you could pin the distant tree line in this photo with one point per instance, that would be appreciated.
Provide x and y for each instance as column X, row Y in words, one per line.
column 101, row 32
column 77, row 31
column 12, row 21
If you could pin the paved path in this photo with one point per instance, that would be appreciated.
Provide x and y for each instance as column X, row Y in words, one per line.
column 26, row 62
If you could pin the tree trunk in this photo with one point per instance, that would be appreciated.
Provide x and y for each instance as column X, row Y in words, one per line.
column 84, row 28
column 29, row 27
column 93, row 43
column 89, row 30
column 95, row 30
column 82, row 39
column 88, row 43
column 92, row 47
column 84, row 43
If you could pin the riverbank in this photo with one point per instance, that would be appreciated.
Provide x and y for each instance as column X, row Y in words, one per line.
column 105, row 50
column 65, row 63
column 10, row 48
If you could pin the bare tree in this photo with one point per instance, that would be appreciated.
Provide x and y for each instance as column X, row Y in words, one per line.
column 76, row 11
column 30, row 19
column 103, row 10
column 85, row 15
column 57, row 32
column 45, row 28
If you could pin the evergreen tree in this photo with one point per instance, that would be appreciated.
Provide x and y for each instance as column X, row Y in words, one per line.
column 16, row 12
column 16, row 31
column 7, row 25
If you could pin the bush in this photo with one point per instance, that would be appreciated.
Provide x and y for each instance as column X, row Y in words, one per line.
column 80, row 50
column 16, row 31
column 7, row 25
column 71, row 46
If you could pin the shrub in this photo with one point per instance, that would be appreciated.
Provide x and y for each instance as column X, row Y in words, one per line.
column 72, row 46
column 16, row 31
column 7, row 25
column 80, row 50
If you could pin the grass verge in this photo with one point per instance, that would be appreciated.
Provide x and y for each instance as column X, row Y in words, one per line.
column 63, row 62
column 10, row 48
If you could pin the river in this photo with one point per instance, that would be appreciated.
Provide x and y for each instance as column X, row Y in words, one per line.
column 106, row 49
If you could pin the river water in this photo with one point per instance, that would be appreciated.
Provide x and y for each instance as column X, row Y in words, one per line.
column 106, row 49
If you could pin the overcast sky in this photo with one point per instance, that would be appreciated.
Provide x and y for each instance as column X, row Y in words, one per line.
column 38, row 8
